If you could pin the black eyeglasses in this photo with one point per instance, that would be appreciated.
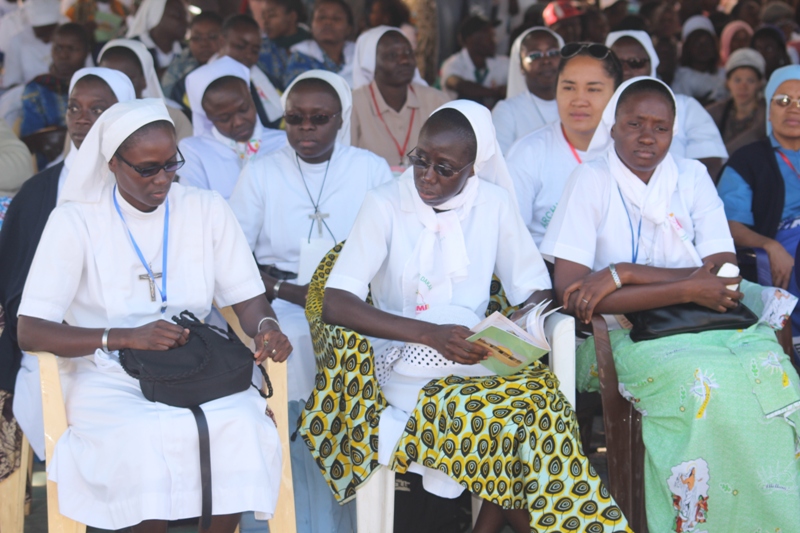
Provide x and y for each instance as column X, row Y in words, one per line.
column 597, row 51
column 440, row 168
column 635, row 63
column 147, row 172
column 547, row 54
column 319, row 119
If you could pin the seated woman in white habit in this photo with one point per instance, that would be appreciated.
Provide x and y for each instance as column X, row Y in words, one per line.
column 426, row 246
column 294, row 206
column 227, row 132
column 125, row 461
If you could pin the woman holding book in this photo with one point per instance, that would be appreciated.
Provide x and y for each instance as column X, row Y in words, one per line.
column 426, row 246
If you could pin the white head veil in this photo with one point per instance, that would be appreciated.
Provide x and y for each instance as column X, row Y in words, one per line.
column 146, row 18
column 516, row 76
column 89, row 175
column 342, row 89
column 153, row 88
column 365, row 57
column 119, row 83
column 643, row 38
column 198, row 81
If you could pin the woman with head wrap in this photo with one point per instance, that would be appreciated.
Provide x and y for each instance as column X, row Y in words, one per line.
column 227, row 132
column 770, row 42
column 689, row 388
column 121, row 211
column 699, row 75
column 91, row 92
column 294, row 205
column 132, row 58
column 530, row 101
column 426, row 247
column 735, row 35
column 161, row 26
column 390, row 99
column 761, row 188
column 696, row 136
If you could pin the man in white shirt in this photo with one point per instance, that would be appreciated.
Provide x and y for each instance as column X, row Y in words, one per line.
column 475, row 73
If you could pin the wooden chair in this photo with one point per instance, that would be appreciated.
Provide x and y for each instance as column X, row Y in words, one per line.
column 12, row 493
column 623, row 429
column 55, row 424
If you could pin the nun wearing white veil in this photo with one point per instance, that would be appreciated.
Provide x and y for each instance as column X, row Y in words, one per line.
column 426, row 246
column 390, row 98
column 85, row 299
column 227, row 131
column 168, row 20
column 530, row 101
column 294, row 205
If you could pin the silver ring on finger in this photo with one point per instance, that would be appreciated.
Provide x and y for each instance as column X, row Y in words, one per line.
column 585, row 300
column 274, row 352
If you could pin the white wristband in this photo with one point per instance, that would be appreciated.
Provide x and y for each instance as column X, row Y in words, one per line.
column 265, row 319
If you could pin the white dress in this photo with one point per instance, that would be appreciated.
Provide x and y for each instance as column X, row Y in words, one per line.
column 697, row 136
column 274, row 209
column 124, row 459
column 520, row 115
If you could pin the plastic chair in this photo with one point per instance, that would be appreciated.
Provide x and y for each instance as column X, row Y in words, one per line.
column 12, row 493
column 375, row 496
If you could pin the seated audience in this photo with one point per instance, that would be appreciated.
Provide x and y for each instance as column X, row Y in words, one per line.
column 476, row 72
column 282, row 20
column 761, row 188
column 735, row 35
column 87, row 268
column 747, row 11
column 15, row 162
column 132, row 58
column 294, row 205
column 426, row 247
column 770, row 43
column 390, row 99
column 329, row 48
column 530, row 101
column 741, row 119
column 699, row 74
column 694, row 391
column 92, row 91
column 28, row 52
column 205, row 40
column 227, row 132
column 564, row 18
column 394, row 13
column 781, row 16
column 541, row 162
column 103, row 18
column 696, row 136
column 161, row 26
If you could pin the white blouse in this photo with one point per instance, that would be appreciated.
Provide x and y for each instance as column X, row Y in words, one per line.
column 518, row 116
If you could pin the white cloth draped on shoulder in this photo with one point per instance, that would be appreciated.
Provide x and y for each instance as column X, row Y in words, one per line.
column 342, row 89
column 366, row 55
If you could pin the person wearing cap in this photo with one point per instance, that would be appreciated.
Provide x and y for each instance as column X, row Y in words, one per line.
column 760, row 187
column 28, row 52
column 531, row 96
column 390, row 99
column 294, row 205
column 781, row 16
column 735, row 35
column 475, row 72
column 161, row 26
column 741, row 118
column 564, row 18
column 699, row 75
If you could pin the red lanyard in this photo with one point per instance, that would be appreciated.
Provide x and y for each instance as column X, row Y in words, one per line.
column 788, row 163
column 574, row 151
column 401, row 150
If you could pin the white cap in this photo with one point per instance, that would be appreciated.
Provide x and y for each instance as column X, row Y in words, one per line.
column 43, row 12
column 746, row 57
column 697, row 22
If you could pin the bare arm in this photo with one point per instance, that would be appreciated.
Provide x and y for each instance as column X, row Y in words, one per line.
column 781, row 262
column 269, row 340
column 290, row 292
column 713, row 165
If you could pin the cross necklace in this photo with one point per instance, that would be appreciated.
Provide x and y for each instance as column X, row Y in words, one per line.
column 146, row 277
column 318, row 216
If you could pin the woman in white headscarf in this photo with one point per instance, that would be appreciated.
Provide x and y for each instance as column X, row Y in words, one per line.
column 161, row 26
column 227, row 131
column 531, row 95
column 426, row 247
column 294, row 205
column 639, row 229
column 133, row 58
column 696, row 136
column 390, row 98
column 120, row 212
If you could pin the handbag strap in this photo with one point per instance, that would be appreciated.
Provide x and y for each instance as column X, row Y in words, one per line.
column 205, row 465
column 267, row 381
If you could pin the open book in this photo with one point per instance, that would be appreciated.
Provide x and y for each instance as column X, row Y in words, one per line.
column 514, row 345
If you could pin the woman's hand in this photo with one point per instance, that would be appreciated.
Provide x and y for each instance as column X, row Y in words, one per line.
column 271, row 343
column 710, row 291
column 589, row 291
column 158, row 335
column 781, row 264
column 451, row 341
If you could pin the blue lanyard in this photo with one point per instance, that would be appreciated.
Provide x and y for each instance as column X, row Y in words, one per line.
column 634, row 244
column 163, row 290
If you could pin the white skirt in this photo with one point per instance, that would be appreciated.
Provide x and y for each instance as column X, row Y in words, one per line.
column 124, row 459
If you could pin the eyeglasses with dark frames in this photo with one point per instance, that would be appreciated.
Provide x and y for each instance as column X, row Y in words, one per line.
column 318, row 119
column 547, row 54
column 148, row 172
column 635, row 63
column 597, row 51
column 440, row 168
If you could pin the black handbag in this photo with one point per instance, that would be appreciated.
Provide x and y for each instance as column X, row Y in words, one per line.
column 211, row 365
column 686, row 318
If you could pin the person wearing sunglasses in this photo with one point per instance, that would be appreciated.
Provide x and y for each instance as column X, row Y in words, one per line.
column 227, row 131
column 294, row 205
column 541, row 162
column 127, row 249
column 427, row 245
column 696, row 135
column 760, row 186
column 530, row 101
